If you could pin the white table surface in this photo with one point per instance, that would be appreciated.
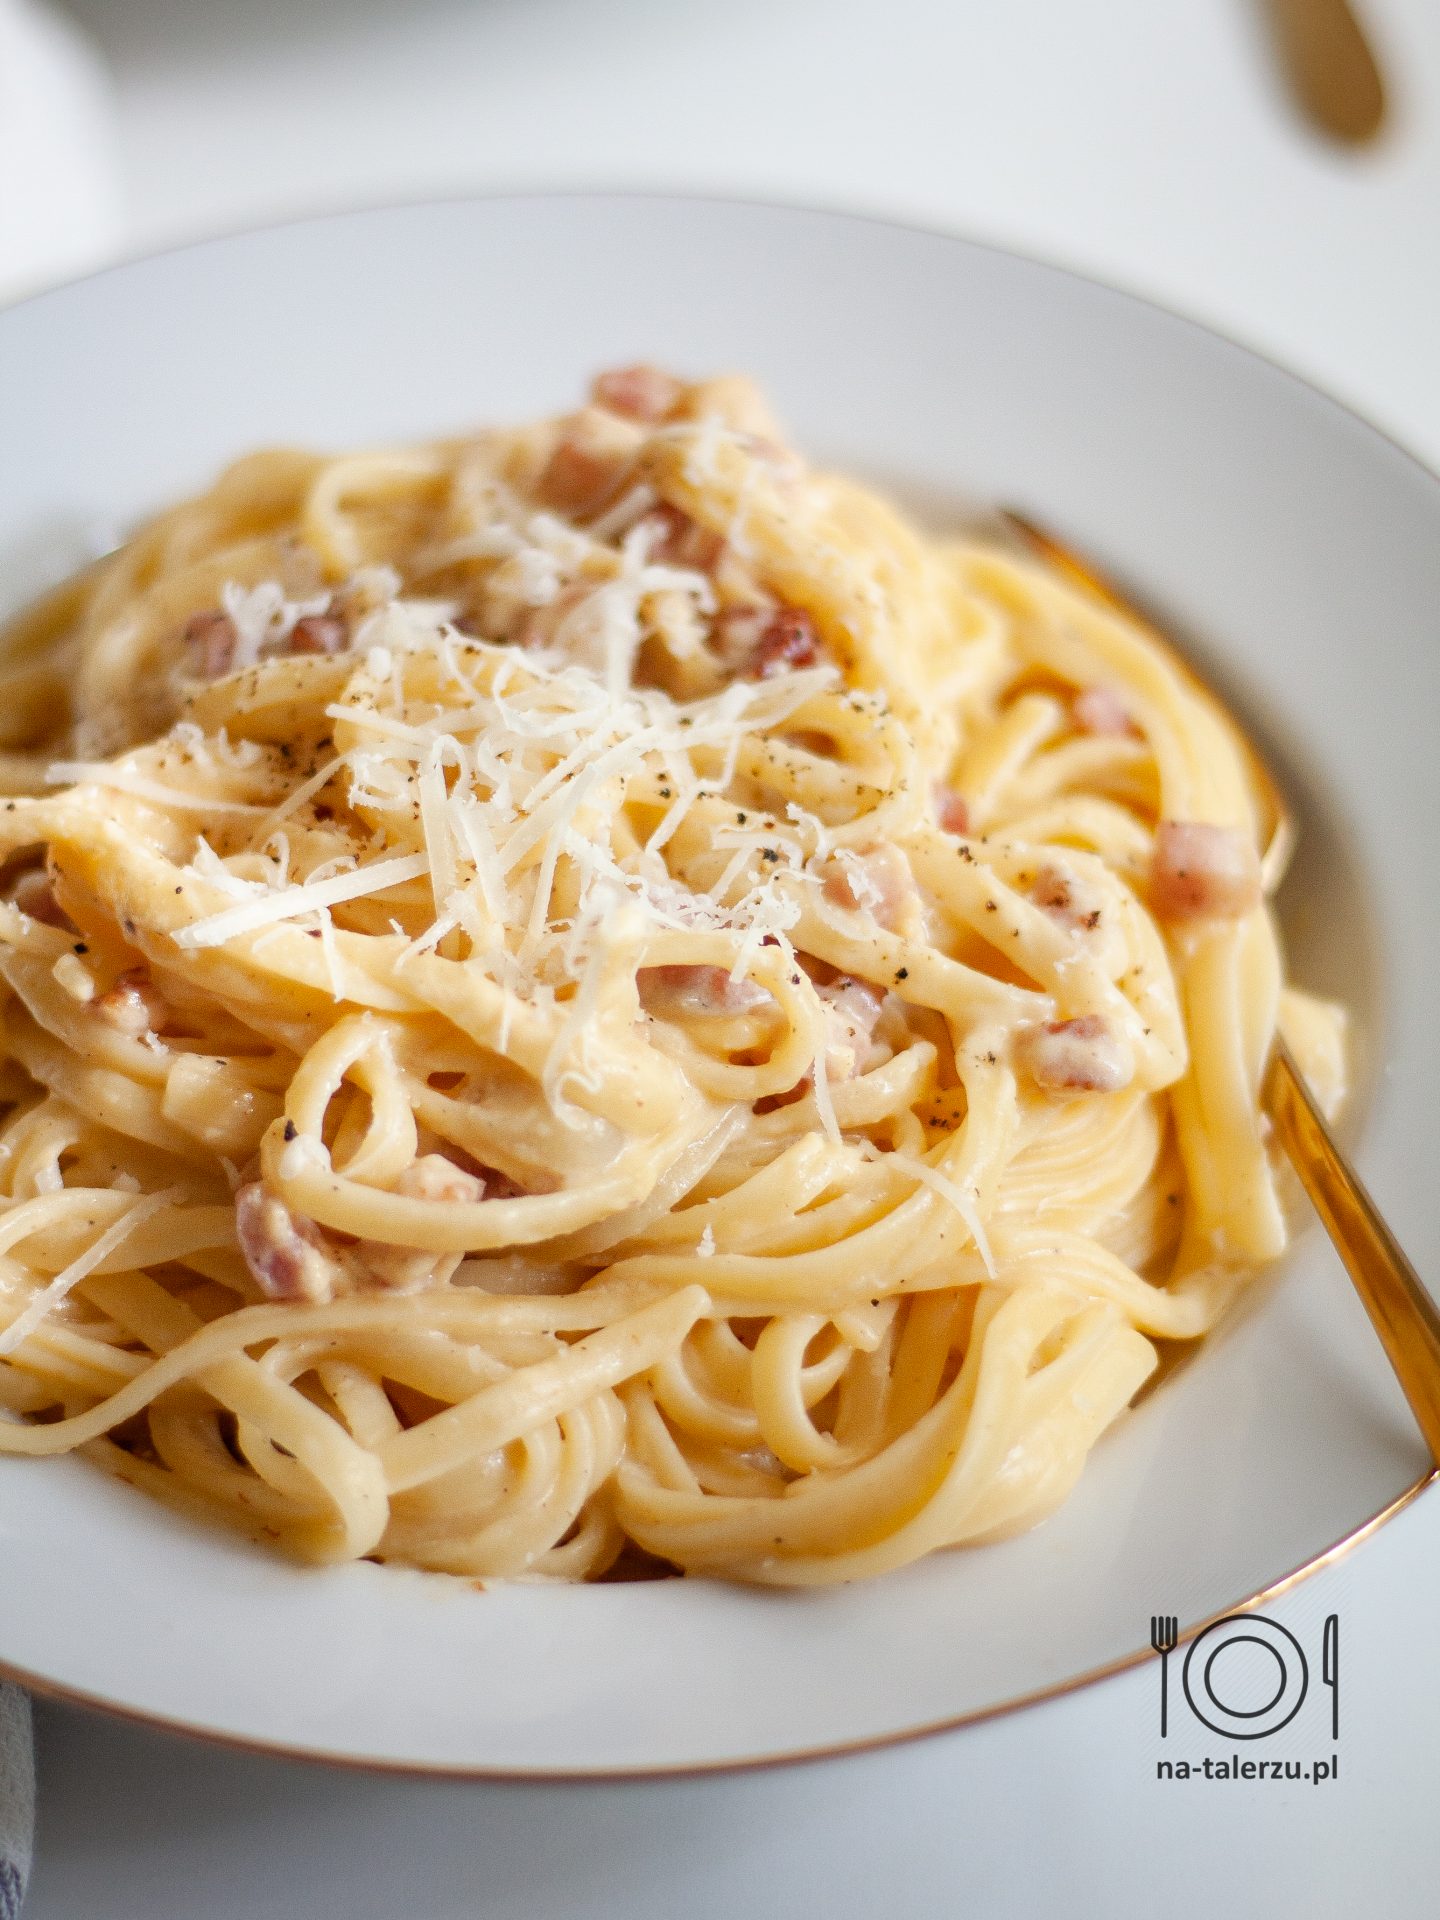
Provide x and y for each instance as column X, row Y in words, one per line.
column 1144, row 141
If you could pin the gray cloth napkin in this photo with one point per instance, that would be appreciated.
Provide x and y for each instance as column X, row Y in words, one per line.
column 17, row 1799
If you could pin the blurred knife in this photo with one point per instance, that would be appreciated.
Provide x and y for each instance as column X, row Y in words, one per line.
column 1330, row 1669
column 1332, row 71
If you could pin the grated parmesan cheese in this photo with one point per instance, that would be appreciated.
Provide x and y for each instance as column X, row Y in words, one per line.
column 514, row 788
column 286, row 903
column 941, row 1183
column 123, row 779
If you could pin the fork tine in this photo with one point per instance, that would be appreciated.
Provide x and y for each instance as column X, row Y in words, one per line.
column 1164, row 1632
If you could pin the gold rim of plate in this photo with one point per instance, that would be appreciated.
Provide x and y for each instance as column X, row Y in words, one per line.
column 278, row 1749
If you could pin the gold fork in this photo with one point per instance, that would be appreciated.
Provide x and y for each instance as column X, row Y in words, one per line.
column 1400, row 1309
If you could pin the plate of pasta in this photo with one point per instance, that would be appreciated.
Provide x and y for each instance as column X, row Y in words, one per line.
column 629, row 1133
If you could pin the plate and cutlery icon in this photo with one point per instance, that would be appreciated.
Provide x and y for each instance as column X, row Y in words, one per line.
column 1255, row 1716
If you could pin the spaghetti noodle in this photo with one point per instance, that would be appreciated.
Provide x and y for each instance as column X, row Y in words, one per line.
column 584, row 998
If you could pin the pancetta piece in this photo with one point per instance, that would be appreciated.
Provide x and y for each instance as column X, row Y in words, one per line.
column 675, row 540
column 852, row 1011
column 319, row 633
column 285, row 1251
column 758, row 641
column 1084, row 1055
column 211, row 638
column 685, row 992
column 1066, row 898
column 590, row 462
column 1202, row 872
column 641, row 392
column 34, row 894
column 432, row 1177
column 952, row 810
column 133, row 1005
column 877, row 880
column 1101, row 711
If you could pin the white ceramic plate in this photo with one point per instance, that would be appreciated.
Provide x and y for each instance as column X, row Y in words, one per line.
column 1303, row 549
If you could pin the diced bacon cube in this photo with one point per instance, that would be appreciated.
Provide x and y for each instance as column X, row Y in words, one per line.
column 590, row 462
column 757, row 641
column 952, row 809
column 678, row 541
column 787, row 642
column 877, row 880
column 687, row 992
column 1066, row 899
column 1101, row 711
column 133, row 1005
column 1084, row 1055
column 34, row 894
column 1050, row 890
column 319, row 633
column 852, row 1010
column 641, row 392
column 1202, row 872
column 858, row 1001
column 211, row 638
column 285, row 1252
column 434, row 1177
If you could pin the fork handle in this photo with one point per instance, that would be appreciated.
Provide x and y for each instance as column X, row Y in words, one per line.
column 1401, row 1310
column 1330, row 65
column 1165, row 1695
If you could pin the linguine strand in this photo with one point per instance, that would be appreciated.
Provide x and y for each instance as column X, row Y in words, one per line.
column 586, row 997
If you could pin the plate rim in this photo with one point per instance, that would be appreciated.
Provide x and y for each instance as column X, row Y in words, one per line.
column 762, row 203
column 46, row 1689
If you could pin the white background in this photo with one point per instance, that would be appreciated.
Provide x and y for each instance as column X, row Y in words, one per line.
column 1146, row 141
